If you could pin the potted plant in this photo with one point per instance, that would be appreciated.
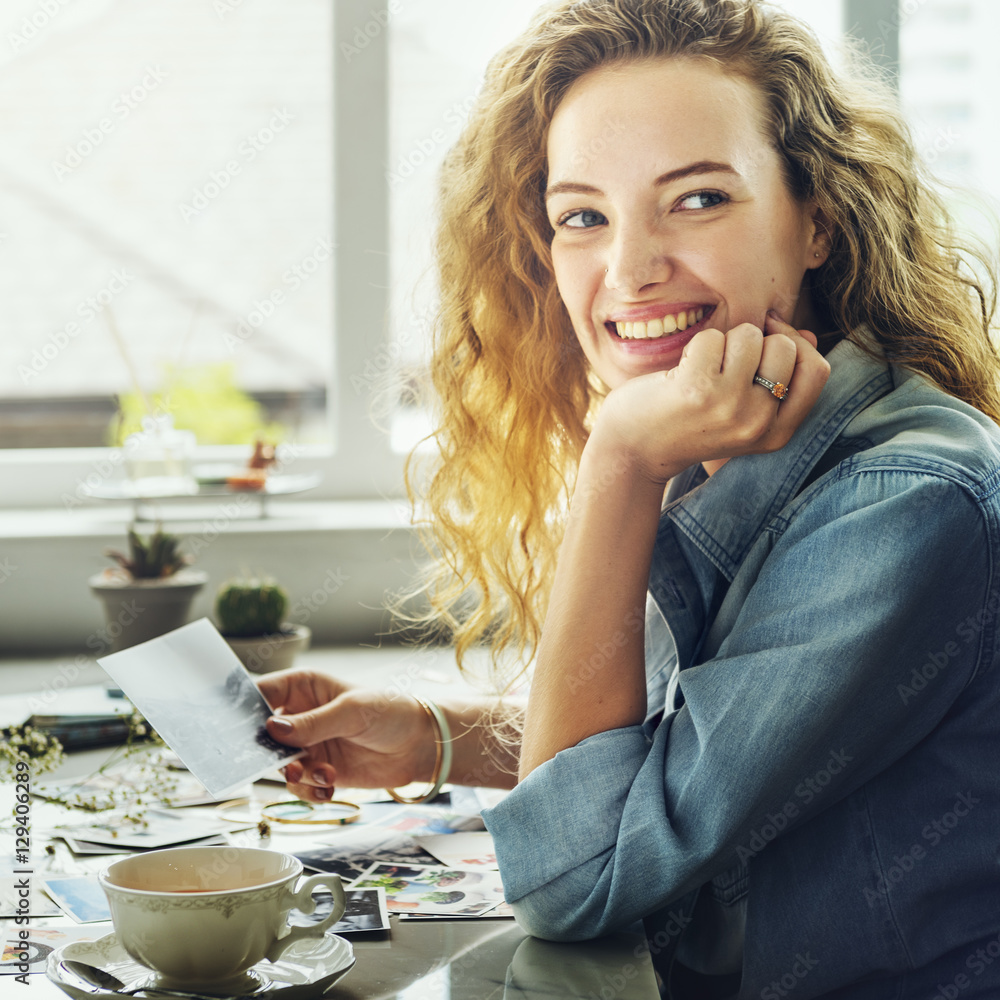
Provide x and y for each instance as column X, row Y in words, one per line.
column 148, row 593
column 249, row 611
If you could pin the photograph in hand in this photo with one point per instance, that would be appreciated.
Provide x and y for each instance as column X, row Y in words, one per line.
column 196, row 694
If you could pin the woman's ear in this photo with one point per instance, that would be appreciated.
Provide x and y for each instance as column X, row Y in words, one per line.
column 821, row 238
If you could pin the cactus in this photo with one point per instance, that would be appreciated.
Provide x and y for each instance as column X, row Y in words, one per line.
column 152, row 558
column 250, row 607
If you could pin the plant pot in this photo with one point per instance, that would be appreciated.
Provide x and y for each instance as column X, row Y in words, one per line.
column 264, row 654
column 137, row 610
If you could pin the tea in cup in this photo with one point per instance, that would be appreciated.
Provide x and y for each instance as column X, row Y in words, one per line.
column 203, row 916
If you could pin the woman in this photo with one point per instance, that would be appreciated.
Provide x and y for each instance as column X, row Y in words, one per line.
column 677, row 253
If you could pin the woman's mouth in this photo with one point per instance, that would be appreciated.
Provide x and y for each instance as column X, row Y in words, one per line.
column 664, row 326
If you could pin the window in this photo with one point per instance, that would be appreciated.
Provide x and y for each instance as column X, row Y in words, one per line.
column 167, row 189
column 948, row 74
column 168, row 165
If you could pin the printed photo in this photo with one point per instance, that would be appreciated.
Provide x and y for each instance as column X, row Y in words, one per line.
column 40, row 943
column 465, row 849
column 434, row 889
column 197, row 695
column 81, row 896
column 365, row 911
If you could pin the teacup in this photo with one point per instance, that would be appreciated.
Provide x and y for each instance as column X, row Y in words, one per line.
column 205, row 915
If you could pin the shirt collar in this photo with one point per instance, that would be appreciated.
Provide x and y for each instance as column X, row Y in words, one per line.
column 725, row 513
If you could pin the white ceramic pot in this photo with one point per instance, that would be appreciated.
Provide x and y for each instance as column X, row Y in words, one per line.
column 137, row 610
column 264, row 654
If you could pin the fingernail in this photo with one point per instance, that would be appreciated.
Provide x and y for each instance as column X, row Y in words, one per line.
column 322, row 793
column 282, row 725
column 320, row 778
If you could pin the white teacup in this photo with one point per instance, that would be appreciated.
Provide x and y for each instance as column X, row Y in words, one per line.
column 204, row 915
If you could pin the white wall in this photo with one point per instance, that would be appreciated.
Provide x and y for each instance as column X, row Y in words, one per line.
column 338, row 561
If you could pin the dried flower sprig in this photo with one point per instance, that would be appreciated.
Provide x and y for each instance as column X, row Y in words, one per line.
column 27, row 744
column 145, row 786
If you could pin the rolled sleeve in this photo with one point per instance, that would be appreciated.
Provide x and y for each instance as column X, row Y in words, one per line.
column 565, row 817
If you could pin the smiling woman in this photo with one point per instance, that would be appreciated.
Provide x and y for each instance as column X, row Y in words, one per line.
column 625, row 231
column 718, row 441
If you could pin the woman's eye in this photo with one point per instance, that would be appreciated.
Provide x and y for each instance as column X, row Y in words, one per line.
column 701, row 200
column 582, row 220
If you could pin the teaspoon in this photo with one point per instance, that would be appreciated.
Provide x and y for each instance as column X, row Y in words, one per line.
column 100, row 980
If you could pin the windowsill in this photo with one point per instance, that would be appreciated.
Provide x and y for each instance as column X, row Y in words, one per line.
column 237, row 513
column 340, row 561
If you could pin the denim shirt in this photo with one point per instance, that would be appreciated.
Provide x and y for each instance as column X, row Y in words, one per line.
column 821, row 748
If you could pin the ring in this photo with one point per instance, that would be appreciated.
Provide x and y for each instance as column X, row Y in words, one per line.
column 777, row 389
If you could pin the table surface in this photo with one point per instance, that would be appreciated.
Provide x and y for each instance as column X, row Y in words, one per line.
column 441, row 959
column 469, row 960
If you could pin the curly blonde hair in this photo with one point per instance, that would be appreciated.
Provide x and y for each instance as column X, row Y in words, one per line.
column 514, row 394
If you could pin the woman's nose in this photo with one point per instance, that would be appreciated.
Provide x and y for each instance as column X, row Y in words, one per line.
column 636, row 260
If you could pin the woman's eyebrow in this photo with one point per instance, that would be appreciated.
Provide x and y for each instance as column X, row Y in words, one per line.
column 701, row 167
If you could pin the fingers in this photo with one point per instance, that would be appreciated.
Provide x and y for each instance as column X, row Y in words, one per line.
column 773, row 323
column 806, row 376
column 275, row 688
column 310, row 779
column 706, row 350
column 778, row 356
column 743, row 347
column 324, row 722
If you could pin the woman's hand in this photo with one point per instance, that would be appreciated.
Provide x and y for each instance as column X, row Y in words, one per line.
column 356, row 737
column 708, row 406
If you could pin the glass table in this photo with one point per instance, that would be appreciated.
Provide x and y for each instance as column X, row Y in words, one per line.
column 472, row 959
column 481, row 959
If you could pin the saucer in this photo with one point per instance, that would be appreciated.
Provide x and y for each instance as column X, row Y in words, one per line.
column 305, row 970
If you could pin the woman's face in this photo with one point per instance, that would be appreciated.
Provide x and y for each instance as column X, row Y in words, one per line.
column 671, row 213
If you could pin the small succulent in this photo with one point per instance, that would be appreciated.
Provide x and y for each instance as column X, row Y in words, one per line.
column 251, row 606
column 152, row 558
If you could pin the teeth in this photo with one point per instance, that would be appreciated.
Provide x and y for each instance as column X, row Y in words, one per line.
column 661, row 327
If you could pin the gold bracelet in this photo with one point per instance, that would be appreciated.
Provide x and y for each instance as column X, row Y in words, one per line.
column 297, row 811
column 442, row 761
